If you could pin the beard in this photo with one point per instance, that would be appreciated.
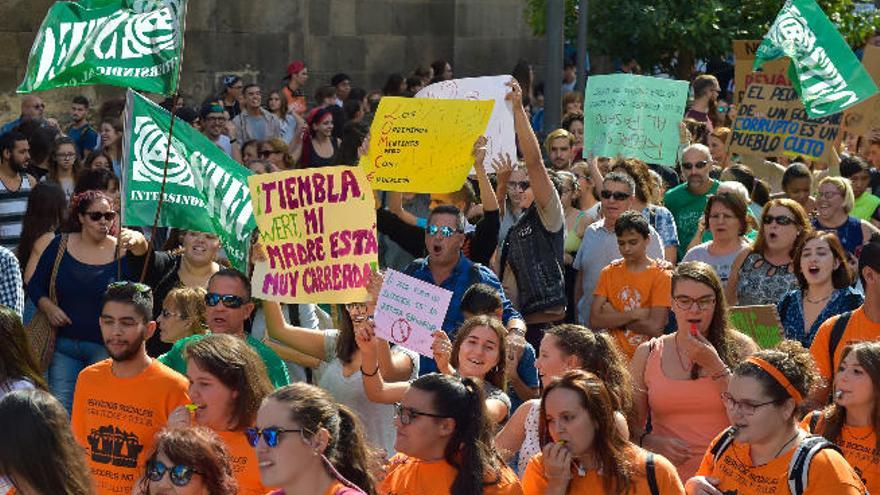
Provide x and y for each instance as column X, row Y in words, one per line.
column 130, row 351
column 18, row 167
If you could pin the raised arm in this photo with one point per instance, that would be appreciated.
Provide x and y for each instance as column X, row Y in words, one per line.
column 487, row 194
column 531, row 150
column 304, row 340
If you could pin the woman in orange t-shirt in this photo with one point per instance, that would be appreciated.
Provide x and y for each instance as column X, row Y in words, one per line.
column 311, row 444
column 228, row 380
column 584, row 451
column 445, row 443
column 852, row 421
column 761, row 401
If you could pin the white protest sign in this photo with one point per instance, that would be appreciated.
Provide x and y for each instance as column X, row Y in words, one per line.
column 500, row 131
column 409, row 311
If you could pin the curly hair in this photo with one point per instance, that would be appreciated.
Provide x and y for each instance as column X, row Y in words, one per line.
column 201, row 449
column 79, row 205
column 792, row 360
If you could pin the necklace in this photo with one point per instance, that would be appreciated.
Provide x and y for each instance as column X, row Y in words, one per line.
column 796, row 435
column 817, row 301
column 678, row 355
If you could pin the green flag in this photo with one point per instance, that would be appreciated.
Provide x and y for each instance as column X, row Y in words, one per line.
column 205, row 190
column 827, row 74
column 130, row 43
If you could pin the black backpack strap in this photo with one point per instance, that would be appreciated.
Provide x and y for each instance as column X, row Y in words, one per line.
column 814, row 420
column 837, row 334
column 651, row 471
column 799, row 468
column 723, row 443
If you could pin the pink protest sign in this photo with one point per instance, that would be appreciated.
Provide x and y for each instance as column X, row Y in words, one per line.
column 409, row 311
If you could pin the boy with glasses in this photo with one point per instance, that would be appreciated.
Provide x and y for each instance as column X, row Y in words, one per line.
column 229, row 305
column 688, row 200
column 121, row 403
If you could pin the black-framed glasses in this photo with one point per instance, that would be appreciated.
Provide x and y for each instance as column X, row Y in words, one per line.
column 686, row 303
column 229, row 300
column 180, row 474
column 270, row 434
column 445, row 231
column 746, row 408
column 521, row 184
column 139, row 287
column 407, row 414
column 98, row 215
column 698, row 165
column 617, row 195
column 779, row 220
column 168, row 314
column 267, row 153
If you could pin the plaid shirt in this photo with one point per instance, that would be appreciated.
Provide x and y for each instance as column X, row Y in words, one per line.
column 11, row 288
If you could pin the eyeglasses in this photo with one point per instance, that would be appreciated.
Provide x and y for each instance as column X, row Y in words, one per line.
column 780, row 220
column 699, row 165
column 270, row 435
column 229, row 300
column 521, row 185
column 180, row 474
column 169, row 314
column 617, row 195
column 65, row 156
column 746, row 408
column 139, row 287
column 97, row 215
column 407, row 414
column 829, row 194
column 445, row 231
column 215, row 119
column 686, row 303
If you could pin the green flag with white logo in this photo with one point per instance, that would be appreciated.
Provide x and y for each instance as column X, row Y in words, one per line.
column 136, row 44
column 824, row 70
column 205, row 189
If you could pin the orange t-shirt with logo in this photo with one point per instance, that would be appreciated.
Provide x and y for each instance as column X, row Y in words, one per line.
column 535, row 482
column 116, row 420
column 829, row 473
column 859, row 446
column 410, row 476
column 244, row 462
column 859, row 329
column 627, row 290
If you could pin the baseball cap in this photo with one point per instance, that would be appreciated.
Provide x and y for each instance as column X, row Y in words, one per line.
column 295, row 67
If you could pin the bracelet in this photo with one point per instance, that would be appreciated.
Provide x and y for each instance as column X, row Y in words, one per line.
column 642, row 438
column 721, row 374
column 369, row 374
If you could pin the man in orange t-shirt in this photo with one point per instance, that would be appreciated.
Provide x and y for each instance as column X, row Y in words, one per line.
column 863, row 325
column 633, row 295
column 121, row 403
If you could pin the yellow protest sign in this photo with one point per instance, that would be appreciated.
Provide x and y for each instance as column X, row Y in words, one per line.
column 424, row 145
column 773, row 72
column 318, row 227
column 863, row 118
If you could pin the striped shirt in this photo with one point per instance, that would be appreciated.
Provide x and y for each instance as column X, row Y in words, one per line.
column 12, row 207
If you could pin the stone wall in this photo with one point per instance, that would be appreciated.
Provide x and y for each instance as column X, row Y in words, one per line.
column 367, row 39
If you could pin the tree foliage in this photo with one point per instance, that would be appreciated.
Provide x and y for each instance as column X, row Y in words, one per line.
column 663, row 32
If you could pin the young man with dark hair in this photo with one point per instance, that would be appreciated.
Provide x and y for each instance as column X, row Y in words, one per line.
column 84, row 136
column 634, row 294
column 254, row 121
column 122, row 402
column 15, row 186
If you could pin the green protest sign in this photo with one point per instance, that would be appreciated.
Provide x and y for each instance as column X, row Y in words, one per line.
column 130, row 43
column 824, row 70
column 205, row 190
column 761, row 323
column 633, row 117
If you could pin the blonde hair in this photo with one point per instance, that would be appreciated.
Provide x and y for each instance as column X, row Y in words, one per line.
column 190, row 301
column 844, row 186
column 558, row 134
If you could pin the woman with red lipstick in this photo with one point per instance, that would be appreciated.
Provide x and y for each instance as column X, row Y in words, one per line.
column 764, row 273
column 677, row 378
column 824, row 277
column 834, row 203
column 853, row 421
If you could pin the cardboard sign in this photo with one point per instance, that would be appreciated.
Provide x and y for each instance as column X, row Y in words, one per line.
column 775, row 72
column 318, row 227
column 633, row 117
column 500, row 131
column 761, row 323
column 409, row 311
column 865, row 117
column 423, row 145
column 771, row 121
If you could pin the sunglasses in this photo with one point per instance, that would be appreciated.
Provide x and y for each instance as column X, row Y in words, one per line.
column 270, row 435
column 522, row 185
column 180, row 474
column 267, row 153
column 699, row 165
column 139, row 287
column 445, row 231
column 97, row 215
column 780, row 220
column 617, row 195
column 229, row 300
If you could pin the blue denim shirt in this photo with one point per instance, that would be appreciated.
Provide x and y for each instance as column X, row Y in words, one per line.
column 458, row 282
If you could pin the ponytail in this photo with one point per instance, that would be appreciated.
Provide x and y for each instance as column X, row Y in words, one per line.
column 351, row 456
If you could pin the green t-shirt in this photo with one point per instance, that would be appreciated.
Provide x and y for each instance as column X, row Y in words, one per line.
column 175, row 360
column 865, row 206
column 687, row 208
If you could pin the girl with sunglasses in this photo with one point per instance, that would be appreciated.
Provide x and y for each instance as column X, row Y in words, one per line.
column 566, row 347
column 228, row 381
column 70, row 295
column 584, row 451
column 764, row 273
column 834, row 203
column 308, row 443
column 189, row 461
column 444, row 442
column 183, row 314
column 677, row 378
column 762, row 399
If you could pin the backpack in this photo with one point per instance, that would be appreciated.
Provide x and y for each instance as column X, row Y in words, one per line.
column 651, row 472
column 837, row 334
column 798, row 468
